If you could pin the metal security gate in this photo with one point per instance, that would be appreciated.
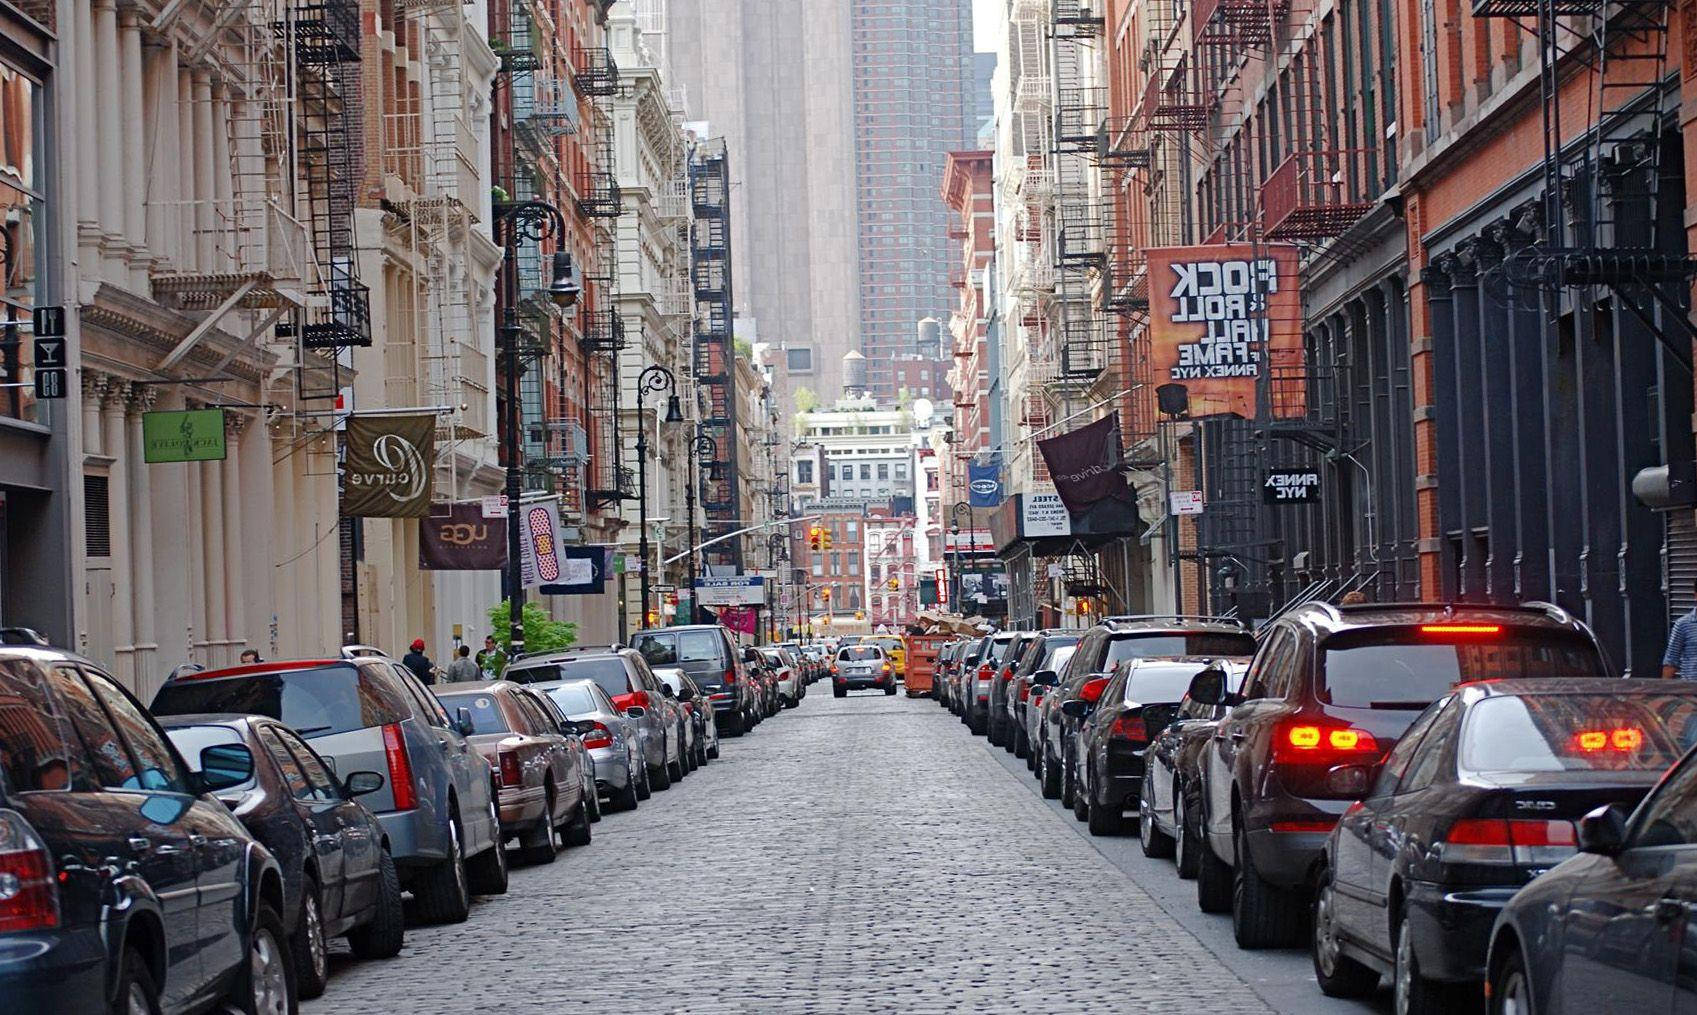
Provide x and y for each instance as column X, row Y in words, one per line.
column 1679, row 562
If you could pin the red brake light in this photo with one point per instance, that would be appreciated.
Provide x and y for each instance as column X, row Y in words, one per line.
column 29, row 898
column 1461, row 628
column 1092, row 689
column 985, row 671
column 510, row 775
column 400, row 768
column 1499, row 840
column 1311, row 743
column 731, row 675
column 601, row 736
column 1626, row 739
column 1129, row 727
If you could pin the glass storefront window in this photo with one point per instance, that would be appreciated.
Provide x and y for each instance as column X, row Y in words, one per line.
column 20, row 209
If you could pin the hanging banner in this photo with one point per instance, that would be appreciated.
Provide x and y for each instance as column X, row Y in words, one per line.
column 583, row 572
column 387, row 469
column 457, row 537
column 1087, row 465
column 1215, row 313
column 195, row 435
column 984, row 485
column 541, row 561
column 741, row 619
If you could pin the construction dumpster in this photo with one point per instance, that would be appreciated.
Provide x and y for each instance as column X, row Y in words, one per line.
column 922, row 661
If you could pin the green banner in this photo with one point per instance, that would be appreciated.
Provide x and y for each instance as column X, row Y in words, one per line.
column 194, row 435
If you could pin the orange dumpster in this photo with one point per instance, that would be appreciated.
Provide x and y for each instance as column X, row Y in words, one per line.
column 922, row 661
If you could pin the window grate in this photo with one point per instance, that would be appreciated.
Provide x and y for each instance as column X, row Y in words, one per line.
column 97, row 516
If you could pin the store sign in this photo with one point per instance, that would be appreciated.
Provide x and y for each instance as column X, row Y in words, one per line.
column 984, row 485
column 193, row 436
column 1218, row 316
column 741, row 590
column 457, row 537
column 52, row 357
column 1186, row 502
column 1042, row 515
column 493, row 507
column 1291, row 486
column 1088, row 465
column 969, row 541
column 942, row 586
column 388, row 469
column 583, row 572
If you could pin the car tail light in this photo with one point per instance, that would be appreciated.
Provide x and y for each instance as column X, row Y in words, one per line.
column 1007, row 674
column 1502, row 840
column 1304, row 741
column 510, row 774
column 1129, row 727
column 1625, row 739
column 600, row 736
column 1025, row 693
column 731, row 675
column 985, row 671
column 29, row 898
column 400, row 767
column 1461, row 628
column 1092, row 689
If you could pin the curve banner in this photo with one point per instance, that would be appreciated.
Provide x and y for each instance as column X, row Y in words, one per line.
column 387, row 467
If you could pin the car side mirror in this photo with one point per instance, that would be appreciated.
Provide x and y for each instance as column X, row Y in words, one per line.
column 361, row 783
column 686, row 694
column 1078, row 708
column 635, row 712
column 1209, row 687
column 581, row 727
column 666, row 691
column 1045, row 678
column 462, row 721
column 1603, row 831
column 223, row 766
column 1352, row 781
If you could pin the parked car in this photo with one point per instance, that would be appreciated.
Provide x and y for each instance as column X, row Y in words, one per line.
column 965, row 673
column 1043, row 683
column 607, row 734
column 977, row 682
column 105, row 834
column 540, row 772
column 1038, row 658
column 765, row 680
column 1335, row 686
column 634, row 689
column 998, row 720
column 707, row 653
column 698, row 710
column 1609, row 929
column 895, row 650
column 858, row 667
column 437, row 806
column 787, row 675
column 338, row 879
column 1480, row 795
column 1167, row 813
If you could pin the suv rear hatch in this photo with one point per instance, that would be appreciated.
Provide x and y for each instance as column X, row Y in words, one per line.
column 699, row 652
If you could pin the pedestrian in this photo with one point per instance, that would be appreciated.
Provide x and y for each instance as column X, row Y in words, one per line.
column 462, row 669
column 419, row 663
column 250, row 655
column 1354, row 598
column 492, row 661
column 1680, row 660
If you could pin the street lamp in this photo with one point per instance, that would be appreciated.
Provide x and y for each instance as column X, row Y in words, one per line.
column 656, row 379
column 961, row 507
column 518, row 222
column 701, row 447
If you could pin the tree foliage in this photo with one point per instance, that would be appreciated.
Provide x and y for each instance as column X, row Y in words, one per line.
column 542, row 633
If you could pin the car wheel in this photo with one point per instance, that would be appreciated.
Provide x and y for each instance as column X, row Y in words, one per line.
column 441, row 893
column 137, row 993
column 660, row 776
column 265, row 983
column 1213, row 880
column 592, row 796
column 1156, row 843
column 1048, row 775
column 1101, row 818
column 1021, row 749
column 383, row 935
column 578, row 833
column 1411, row 992
column 487, row 871
column 1338, row 974
column 639, row 772
column 1262, row 914
column 839, row 692
column 625, row 799
column 713, row 749
column 539, row 845
column 1189, row 849
column 1068, row 788
column 308, row 946
column 1511, row 991
column 890, row 689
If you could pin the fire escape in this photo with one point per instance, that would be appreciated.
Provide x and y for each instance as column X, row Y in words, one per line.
column 714, row 365
column 1080, row 219
column 594, row 77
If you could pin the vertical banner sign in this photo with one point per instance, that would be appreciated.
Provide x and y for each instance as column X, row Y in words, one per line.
column 52, row 362
column 1087, row 465
column 387, row 471
column 1218, row 317
column 460, row 538
column 541, row 560
column 984, row 485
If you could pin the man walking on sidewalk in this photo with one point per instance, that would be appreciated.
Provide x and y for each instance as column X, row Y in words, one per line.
column 462, row 670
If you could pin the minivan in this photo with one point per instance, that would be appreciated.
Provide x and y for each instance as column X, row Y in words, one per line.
column 707, row 654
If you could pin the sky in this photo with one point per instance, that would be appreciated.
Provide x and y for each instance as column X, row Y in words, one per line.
column 984, row 15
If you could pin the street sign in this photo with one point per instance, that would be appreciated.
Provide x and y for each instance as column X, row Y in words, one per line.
column 47, row 321
column 1055, row 570
column 494, row 507
column 1291, row 486
column 664, row 589
column 52, row 358
column 741, row 590
column 1186, row 502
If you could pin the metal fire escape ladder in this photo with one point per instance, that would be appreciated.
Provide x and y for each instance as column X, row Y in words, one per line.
column 1080, row 249
column 713, row 364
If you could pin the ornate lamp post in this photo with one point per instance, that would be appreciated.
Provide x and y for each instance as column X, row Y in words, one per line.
column 518, row 222
column 654, row 379
column 702, row 446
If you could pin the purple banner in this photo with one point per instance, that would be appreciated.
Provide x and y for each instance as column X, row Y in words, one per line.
column 1088, row 465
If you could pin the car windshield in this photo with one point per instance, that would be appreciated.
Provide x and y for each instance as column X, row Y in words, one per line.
column 608, row 671
column 1578, row 732
column 315, row 702
column 486, row 714
column 1168, row 643
column 860, row 654
column 575, row 699
column 1154, row 684
column 1408, row 668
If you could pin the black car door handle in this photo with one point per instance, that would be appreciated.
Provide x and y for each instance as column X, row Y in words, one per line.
column 140, row 844
column 1669, row 909
column 1238, row 734
column 197, row 840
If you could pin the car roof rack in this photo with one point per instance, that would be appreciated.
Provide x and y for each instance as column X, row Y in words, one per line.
column 1137, row 618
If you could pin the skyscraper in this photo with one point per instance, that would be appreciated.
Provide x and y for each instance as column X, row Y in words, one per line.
column 914, row 101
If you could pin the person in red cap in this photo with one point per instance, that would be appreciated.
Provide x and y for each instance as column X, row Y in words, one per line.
column 419, row 663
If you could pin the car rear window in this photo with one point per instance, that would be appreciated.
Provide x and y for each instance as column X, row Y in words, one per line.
column 1578, row 732
column 1153, row 684
column 537, row 673
column 676, row 647
column 860, row 653
column 1063, row 655
column 608, row 671
column 574, row 699
column 486, row 714
column 1411, row 667
column 33, row 751
column 1201, row 643
column 314, row 702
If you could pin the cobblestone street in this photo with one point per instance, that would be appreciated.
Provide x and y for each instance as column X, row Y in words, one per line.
column 853, row 855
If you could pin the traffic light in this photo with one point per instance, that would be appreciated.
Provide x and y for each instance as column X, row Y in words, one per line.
column 895, row 584
column 827, row 595
column 1083, row 607
column 816, row 538
column 825, row 534
column 860, row 614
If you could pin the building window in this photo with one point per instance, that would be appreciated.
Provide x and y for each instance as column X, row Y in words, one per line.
column 799, row 360
column 901, row 470
column 883, row 470
column 865, row 471
column 854, row 563
column 818, row 568
column 804, row 472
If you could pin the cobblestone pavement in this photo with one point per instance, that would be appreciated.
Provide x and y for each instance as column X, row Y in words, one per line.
column 861, row 854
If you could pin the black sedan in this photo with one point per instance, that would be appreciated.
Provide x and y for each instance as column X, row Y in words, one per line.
column 1172, row 791
column 338, row 878
column 1479, row 797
